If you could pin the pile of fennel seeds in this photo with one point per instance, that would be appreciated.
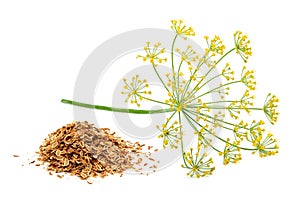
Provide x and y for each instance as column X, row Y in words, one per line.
column 85, row 151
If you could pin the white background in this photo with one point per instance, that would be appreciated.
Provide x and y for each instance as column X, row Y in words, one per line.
column 43, row 45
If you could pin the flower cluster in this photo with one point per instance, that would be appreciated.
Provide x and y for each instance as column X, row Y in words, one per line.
column 181, row 29
column 135, row 90
column 187, row 55
column 242, row 45
column 170, row 134
column 266, row 146
column 153, row 54
column 248, row 78
column 231, row 153
column 227, row 72
column 246, row 101
column 255, row 131
column 195, row 163
column 215, row 45
column 240, row 131
column 270, row 108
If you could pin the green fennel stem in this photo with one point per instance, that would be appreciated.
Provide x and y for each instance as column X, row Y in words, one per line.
column 122, row 110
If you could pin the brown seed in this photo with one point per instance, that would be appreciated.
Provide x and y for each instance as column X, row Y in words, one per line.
column 59, row 176
column 151, row 159
column 66, row 162
column 16, row 156
column 139, row 160
column 58, row 152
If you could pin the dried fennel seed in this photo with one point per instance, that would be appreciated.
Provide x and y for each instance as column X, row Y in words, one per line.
column 82, row 150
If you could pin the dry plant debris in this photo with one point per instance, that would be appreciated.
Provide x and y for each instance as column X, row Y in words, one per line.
column 85, row 151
